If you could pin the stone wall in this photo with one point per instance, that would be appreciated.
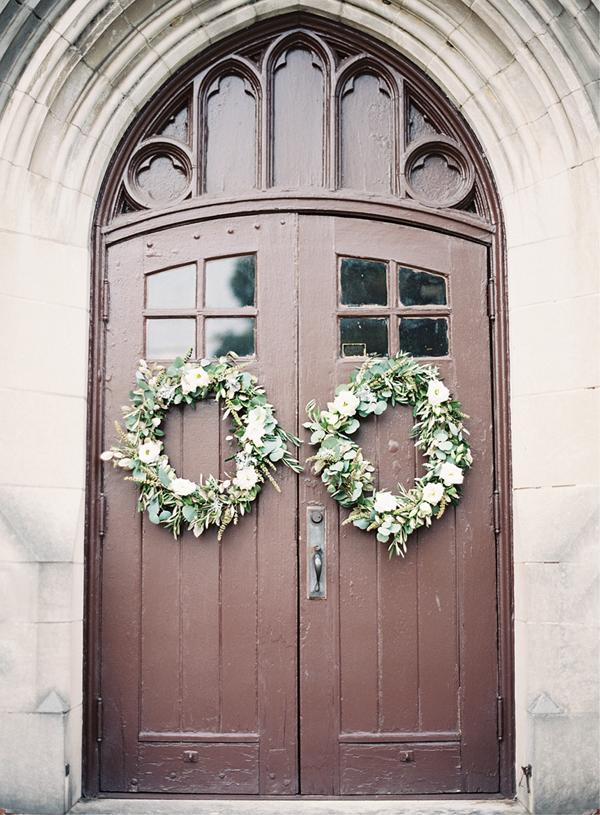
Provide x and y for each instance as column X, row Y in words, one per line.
column 73, row 73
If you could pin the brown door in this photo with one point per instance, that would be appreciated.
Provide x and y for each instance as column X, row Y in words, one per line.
column 394, row 690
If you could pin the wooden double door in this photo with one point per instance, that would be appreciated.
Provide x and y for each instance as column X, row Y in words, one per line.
column 218, row 673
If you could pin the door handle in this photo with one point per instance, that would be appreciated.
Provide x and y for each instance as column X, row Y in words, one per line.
column 316, row 567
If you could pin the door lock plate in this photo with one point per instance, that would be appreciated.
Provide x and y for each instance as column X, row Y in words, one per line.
column 316, row 560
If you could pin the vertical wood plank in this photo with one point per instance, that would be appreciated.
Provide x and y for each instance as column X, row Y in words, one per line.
column 298, row 119
column 367, row 134
column 230, row 110
column 200, row 581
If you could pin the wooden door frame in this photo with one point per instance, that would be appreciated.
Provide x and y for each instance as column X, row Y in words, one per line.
column 453, row 223
column 106, row 231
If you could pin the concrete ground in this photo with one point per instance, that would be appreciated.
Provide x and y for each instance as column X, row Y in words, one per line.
column 295, row 807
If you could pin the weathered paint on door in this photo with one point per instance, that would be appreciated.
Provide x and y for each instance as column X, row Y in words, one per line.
column 218, row 674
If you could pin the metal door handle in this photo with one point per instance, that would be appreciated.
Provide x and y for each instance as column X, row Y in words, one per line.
column 316, row 545
column 318, row 567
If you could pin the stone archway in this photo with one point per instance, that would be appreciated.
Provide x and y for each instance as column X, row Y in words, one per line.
column 523, row 76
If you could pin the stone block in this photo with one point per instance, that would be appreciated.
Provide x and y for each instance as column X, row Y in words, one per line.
column 60, row 592
column 561, row 661
column 19, row 587
column 32, row 760
column 44, row 270
column 18, row 650
column 556, row 524
column 44, row 437
column 558, row 360
column 565, row 593
column 59, row 650
column 552, row 270
column 51, row 338
column 555, row 439
column 24, row 537
column 565, row 764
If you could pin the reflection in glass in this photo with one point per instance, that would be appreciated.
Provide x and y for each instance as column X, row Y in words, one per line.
column 230, row 282
column 424, row 336
column 175, row 288
column 171, row 337
column 363, row 282
column 224, row 334
column 362, row 336
column 421, row 288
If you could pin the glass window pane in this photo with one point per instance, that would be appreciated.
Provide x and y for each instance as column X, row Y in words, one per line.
column 230, row 282
column 170, row 338
column 424, row 336
column 421, row 288
column 362, row 336
column 174, row 288
column 363, row 282
column 224, row 334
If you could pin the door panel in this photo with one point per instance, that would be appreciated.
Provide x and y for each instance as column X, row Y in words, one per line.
column 398, row 678
column 397, row 670
column 200, row 646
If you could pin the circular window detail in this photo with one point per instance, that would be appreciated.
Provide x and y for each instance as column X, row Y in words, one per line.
column 437, row 173
column 159, row 173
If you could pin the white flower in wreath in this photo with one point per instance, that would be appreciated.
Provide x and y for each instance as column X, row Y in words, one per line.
column 451, row 474
column 424, row 509
column 255, row 429
column 107, row 455
column 182, row 487
column 149, row 451
column 329, row 418
column 437, row 392
column 193, row 379
column 345, row 403
column 254, row 433
column 246, row 478
column 432, row 492
column 385, row 502
column 257, row 415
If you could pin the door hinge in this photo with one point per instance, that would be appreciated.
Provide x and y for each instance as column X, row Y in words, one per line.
column 99, row 720
column 496, row 510
column 491, row 298
column 500, row 716
column 105, row 300
column 101, row 514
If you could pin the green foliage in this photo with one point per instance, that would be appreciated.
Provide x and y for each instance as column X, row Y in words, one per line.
column 439, row 434
column 171, row 501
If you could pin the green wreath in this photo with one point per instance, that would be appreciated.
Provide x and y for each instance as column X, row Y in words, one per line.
column 170, row 500
column 439, row 433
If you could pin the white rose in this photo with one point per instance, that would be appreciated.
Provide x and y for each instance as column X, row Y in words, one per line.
column 246, row 478
column 181, row 486
column 451, row 474
column 385, row 502
column 149, row 451
column 254, row 433
column 107, row 455
column 437, row 392
column 424, row 509
column 257, row 415
column 193, row 379
column 432, row 492
column 345, row 403
column 328, row 417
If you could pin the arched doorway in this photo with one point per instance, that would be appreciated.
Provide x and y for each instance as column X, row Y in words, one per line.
column 304, row 197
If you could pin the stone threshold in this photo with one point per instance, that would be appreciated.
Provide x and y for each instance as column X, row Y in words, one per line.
column 114, row 806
